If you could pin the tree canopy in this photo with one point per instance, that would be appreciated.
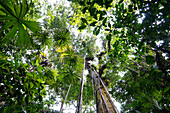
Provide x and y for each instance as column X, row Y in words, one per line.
column 81, row 52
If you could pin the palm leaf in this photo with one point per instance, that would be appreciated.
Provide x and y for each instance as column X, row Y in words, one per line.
column 23, row 39
column 24, row 8
column 9, row 3
column 12, row 15
column 61, row 49
column 11, row 34
column 6, row 18
column 8, row 8
column 33, row 26
column 17, row 8
column 9, row 24
column 4, row 12
column 61, row 37
column 62, row 56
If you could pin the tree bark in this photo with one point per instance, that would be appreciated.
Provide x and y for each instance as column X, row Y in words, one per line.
column 79, row 102
column 104, row 103
column 61, row 108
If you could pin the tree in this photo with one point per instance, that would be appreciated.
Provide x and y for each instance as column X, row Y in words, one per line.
column 23, row 77
column 130, row 37
column 135, row 41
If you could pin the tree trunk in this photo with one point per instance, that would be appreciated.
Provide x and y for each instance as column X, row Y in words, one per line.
column 104, row 103
column 79, row 102
column 62, row 104
column 97, row 89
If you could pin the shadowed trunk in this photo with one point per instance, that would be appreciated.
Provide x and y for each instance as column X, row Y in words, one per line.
column 104, row 103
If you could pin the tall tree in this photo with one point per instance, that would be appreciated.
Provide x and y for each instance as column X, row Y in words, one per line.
column 136, row 48
column 134, row 37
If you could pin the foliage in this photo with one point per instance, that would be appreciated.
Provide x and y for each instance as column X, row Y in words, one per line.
column 135, row 41
column 135, row 49
column 23, row 77
column 14, row 21
column 21, row 83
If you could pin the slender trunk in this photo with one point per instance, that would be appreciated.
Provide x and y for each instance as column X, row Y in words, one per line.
column 61, row 108
column 79, row 102
column 94, row 91
column 86, row 98
column 132, row 69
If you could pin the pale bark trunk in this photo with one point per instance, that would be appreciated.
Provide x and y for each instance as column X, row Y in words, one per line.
column 79, row 102
column 62, row 104
column 86, row 100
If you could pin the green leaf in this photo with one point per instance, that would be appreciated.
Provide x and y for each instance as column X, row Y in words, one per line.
column 17, row 8
column 31, row 85
column 166, row 89
column 136, row 85
column 16, row 63
column 92, row 11
column 4, row 12
column 37, row 62
column 147, row 104
column 163, row 1
column 9, row 3
column 95, row 30
column 150, row 59
column 136, row 35
column 9, row 24
column 108, row 37
column 39, row 68
column 104, row 22
column 6, row 18
column 84, row 21
column 8, row 7
column 24, row 8
column 33, row 26
column 98, row 31
column 82, row 27
column 102, row 13
column 23, row 39
column 25, row 86
column 29, row 74
column 41, row 81
column 93, row 23
column 11, row 34
column 109, row 24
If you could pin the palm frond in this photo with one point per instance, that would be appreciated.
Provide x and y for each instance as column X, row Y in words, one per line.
column 12, row 17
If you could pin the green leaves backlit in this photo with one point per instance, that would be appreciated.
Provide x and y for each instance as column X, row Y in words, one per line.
column 12, row 16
